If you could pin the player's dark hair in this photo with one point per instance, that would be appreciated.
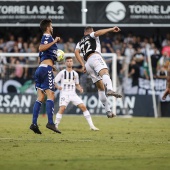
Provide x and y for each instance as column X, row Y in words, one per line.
column 89, row 28
column 44, row 24
column 68, row 58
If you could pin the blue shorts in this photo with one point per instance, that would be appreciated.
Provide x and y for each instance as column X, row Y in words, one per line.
column 44, row 78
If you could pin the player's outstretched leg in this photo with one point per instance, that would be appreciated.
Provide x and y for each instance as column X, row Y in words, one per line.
column 108, row 83
column 103, row 99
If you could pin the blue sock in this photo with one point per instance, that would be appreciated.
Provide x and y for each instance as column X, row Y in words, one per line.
column 36, row 111
column 50, row 110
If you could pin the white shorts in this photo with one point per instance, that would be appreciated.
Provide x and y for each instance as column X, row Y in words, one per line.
column 66, row 98
column 94, row 64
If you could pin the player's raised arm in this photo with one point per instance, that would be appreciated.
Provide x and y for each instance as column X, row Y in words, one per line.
column 44, row 46
column 104, row 31
column 78, row 57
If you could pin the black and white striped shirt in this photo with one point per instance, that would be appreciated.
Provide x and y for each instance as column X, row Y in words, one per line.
column 68, row 80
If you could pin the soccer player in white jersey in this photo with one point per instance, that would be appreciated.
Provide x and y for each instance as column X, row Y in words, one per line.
column 95, row 66
column 69, row 83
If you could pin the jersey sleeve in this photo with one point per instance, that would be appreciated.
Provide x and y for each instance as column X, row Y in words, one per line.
column 92, row 35
column 46, row 39
column 78, row 46
column 77, row 78
column 58, row 77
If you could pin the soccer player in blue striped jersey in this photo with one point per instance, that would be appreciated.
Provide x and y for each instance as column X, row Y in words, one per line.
column 44, row 76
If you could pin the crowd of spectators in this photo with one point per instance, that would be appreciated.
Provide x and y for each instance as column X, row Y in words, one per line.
column 132, row 55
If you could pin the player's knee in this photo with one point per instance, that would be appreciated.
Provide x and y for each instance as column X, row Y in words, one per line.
column 50, row 94
column 62, row 109
column 41, row 98
column 103, row 72
column 103, row 99
column 100, row 85
column 83, row 107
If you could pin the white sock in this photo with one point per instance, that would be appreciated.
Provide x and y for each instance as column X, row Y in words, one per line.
column 58, row 118
column 107, row 81
column 103, row 99
column 88, row 118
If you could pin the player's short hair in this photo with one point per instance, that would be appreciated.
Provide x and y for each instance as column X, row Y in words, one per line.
column 68, row 58
column 44, row 24
column 88, row 28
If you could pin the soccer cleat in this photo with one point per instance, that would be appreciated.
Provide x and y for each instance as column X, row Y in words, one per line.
column 94, row 128
column 52, row 127
column 112, row 93
column 35, row 128
column 110, row 114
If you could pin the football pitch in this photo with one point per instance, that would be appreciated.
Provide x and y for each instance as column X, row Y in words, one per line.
column 121, row 143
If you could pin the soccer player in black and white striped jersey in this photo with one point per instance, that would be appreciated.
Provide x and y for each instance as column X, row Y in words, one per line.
column 69, row 83
column 95, row 66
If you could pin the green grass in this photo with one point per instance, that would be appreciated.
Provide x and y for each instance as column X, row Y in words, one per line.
column 132, row 143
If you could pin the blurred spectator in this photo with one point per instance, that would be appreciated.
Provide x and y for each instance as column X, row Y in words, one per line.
column 163, row 61
column 144, row 46
column 35, row 42
column 128, row 39
column 165, row 41
column 18, row 70
column 2, row 43
column 60, row 44
column 135, row 43
column 129, row 52
column 134, row 73
column 25, row 47
column 121, row 67
column 151, row 49
column 107, row 39
column 162, row 73
column 146, row 73
column 24, row 61
column 117, row 45
column 10, row 43
column 32, row 62
column 70, row 46
column 154, row 60
column 139, row 58
column 166, row 48
column 109, row 48
column 19, row 44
